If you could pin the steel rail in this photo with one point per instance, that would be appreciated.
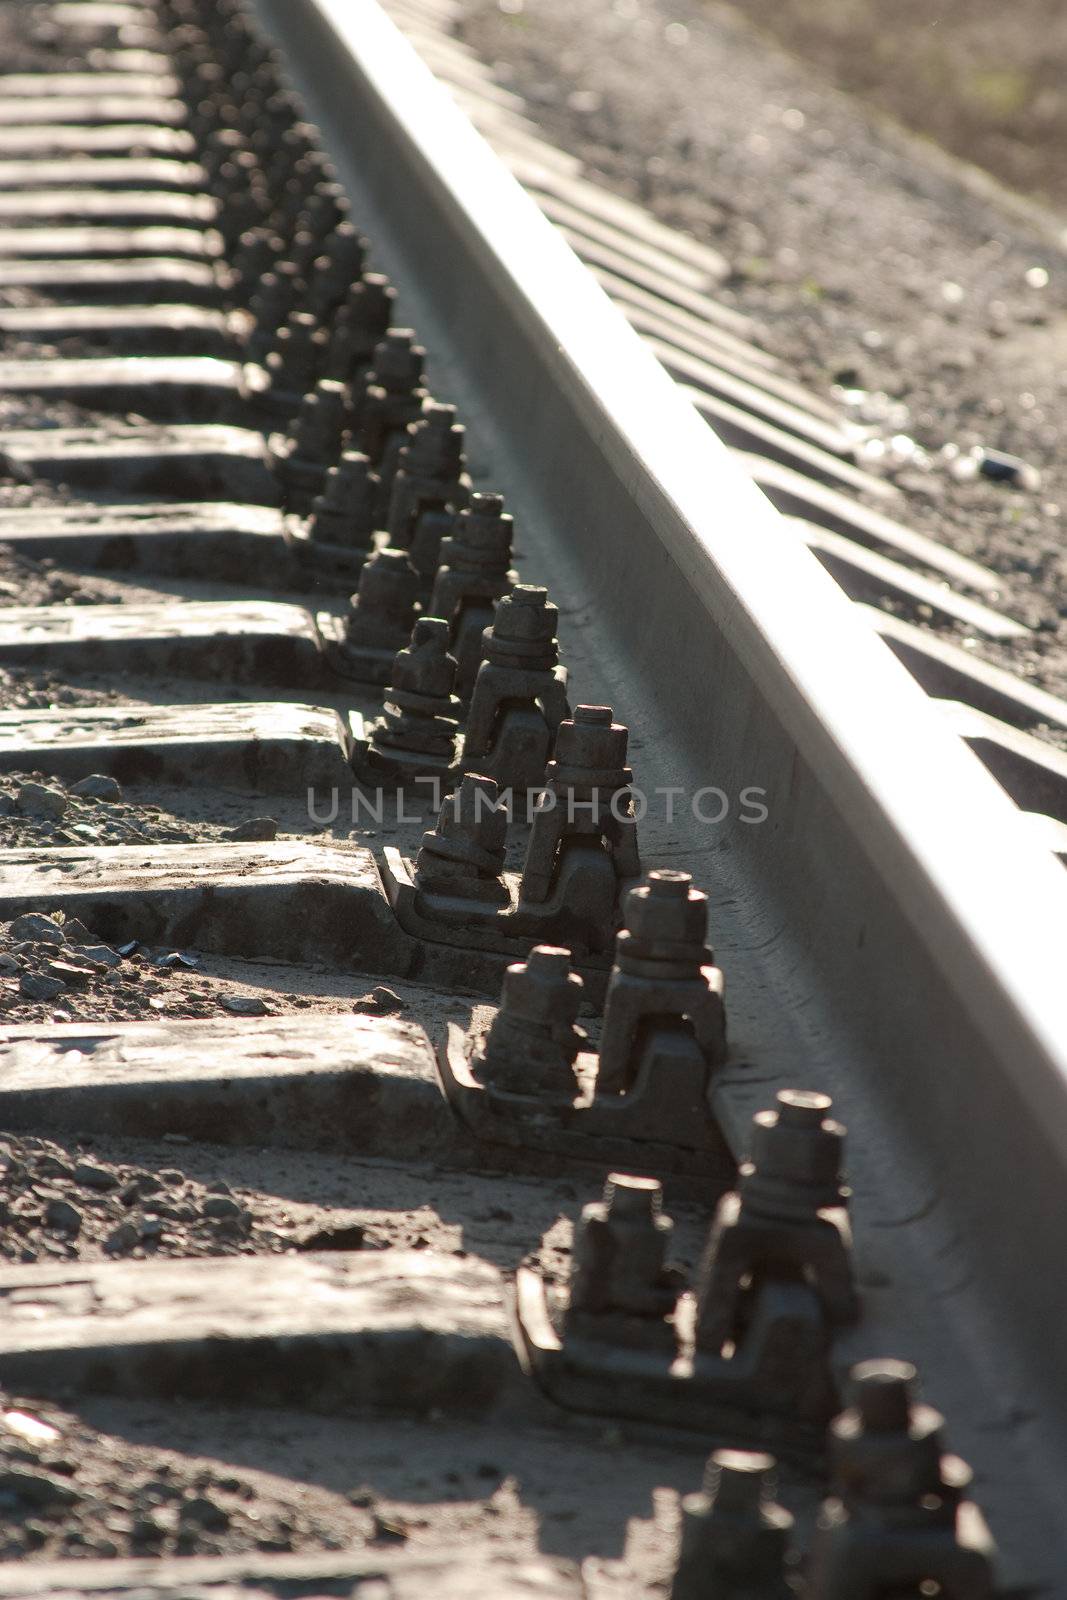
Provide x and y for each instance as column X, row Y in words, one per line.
column 890, row 933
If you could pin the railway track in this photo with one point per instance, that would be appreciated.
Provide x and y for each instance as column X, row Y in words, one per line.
column 262, row 354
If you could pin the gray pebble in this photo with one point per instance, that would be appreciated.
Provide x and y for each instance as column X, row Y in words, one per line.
column 122, row 1239
column 52, row 1167
column 257, row 829
column 204, row 1513
column 101, row 954
column 97, row 787
column 244, row 1005
column 61, row 1214
column 381, row 1002
column 142, row 1184
column 37, row 1488
column 220, row 1205
column 36, row 928
column 75, row 973
column 93, row 1177
column 35, row 986
column 34, row 800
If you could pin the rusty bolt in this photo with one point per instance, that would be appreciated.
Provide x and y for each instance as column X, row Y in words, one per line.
column 294, row 361
column 383, row 608
column 620, row 1252
column 358, row 326
column 589, row 767
column 590, row 752
column 274, row 299
column 482, row 536
column 795, row 1159
column 524, row 629
column 336, row 269
column 319, row 428
column 543, row 988
column 424, row 667
column 475, row 571
column 253, row 259
column 896, row 1521
column 735, row 1539
column 435, row 444
column 464, row 853
column 666, row 914
column 398, row 362
column 886, row 1448
column 343, row 513
column 533, row 1043
column 324, row 208
column 788, row 1216
column 419, row 714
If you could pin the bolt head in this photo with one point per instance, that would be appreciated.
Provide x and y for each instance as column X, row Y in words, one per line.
column 388, row 579
column 883, row 1393
column 543, row 988
column 470, row 812
column 525, row 616
column 633, row 1200
column 667, row 907
column 548, row 961
column 739, row 1480
column 797, row 1144
column 591, row 739
column 886, row 1448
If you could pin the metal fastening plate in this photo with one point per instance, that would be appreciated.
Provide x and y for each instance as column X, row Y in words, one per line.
column 293, row 901
column 620, row 1135
column 479, row 927
column 746, row 1399
column 266, row 746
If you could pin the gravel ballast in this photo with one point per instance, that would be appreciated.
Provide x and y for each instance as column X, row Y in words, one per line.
column 929, row 299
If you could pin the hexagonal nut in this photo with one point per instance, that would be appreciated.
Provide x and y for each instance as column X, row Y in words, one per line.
column 543, row 988
column 799, row 1142
column 525, row 615
column 667, row 907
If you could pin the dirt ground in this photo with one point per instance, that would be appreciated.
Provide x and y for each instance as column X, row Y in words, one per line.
column 930, row 301
column 983, row 81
